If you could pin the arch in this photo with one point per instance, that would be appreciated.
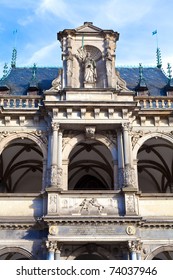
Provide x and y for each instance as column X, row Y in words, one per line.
column 21, row 157
column 154, row 161
column 96, row 250
column 4, row 142
column 18, row 250
column 148, row 136
column 158, row 251
column 81, row 137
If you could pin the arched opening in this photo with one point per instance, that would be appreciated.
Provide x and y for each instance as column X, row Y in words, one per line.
column 165, row 255
column 15, row 254
column 90, row 167
column 155, row 166
column 21, row 164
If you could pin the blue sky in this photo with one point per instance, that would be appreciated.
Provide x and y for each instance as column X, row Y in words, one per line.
column 38, row 21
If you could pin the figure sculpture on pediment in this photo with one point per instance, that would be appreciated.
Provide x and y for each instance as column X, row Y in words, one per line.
column 56, row 83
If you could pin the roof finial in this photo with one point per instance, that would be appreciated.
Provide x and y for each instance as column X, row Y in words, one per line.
column 34, row 71
column 140, row 71
column 159, row 58
column 158, row 52
column 14, row 53
column 14, row 57
column 169, row 71
column 5, row 71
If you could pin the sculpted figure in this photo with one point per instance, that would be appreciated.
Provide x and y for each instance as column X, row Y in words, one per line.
column 90, row 73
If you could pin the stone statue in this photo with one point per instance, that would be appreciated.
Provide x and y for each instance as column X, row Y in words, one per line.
column 90, row 73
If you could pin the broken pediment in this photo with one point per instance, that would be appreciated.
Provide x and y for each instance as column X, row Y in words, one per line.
column 88, row 27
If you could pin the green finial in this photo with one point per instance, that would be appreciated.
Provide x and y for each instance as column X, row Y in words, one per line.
column 34, row 71
column 169, row 71
column 5, row 70
column 14, row 57
column 140, row 71
column 159, row 59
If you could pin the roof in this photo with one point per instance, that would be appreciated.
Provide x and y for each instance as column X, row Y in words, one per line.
column 154, row 77
column 19, row 79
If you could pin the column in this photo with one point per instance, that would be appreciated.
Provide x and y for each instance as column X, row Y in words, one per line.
column 132, row 250
column 65, row 175
column 44, row 175
column 115, row 164
column 59, row 160
column 126, row 144
column 138, row 250
column 58, row 251
column 55, row 128
column 135, row 249
column 128, row 171
column 54, row 157
column 49, row 157
column 50, row 250
column 120, row 159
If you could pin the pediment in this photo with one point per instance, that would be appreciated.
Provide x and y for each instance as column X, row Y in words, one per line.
column 88, row 27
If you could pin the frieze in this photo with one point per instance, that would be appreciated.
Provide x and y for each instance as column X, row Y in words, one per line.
column 95, row 229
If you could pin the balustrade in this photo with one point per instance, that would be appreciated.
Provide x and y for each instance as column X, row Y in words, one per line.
column 21, row 102
column 154, row 102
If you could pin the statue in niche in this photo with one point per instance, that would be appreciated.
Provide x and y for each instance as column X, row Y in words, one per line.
column 90, row 73
column 88, row 65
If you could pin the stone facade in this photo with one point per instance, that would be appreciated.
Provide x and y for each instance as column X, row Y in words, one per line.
column 86, row 156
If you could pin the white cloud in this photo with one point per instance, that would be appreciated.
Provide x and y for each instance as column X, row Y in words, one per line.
column 120, row 13
column 19, row 4
column 25, row 21
column 44, row 56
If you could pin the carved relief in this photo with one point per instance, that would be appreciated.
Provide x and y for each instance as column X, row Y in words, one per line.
column 135, row 246
column 87, row 204
column 136, row 135
column 53, row 230
column 130, row 204
column 90, row 131
column 129, row 177
column 57, row 83
column 53, row 203
column 53, row 175
column 131, row 230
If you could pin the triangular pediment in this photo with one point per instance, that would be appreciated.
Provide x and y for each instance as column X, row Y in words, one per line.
column 88, row 27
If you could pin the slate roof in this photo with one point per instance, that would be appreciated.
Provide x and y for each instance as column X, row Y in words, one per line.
column 18, row 79
column 154, row 77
